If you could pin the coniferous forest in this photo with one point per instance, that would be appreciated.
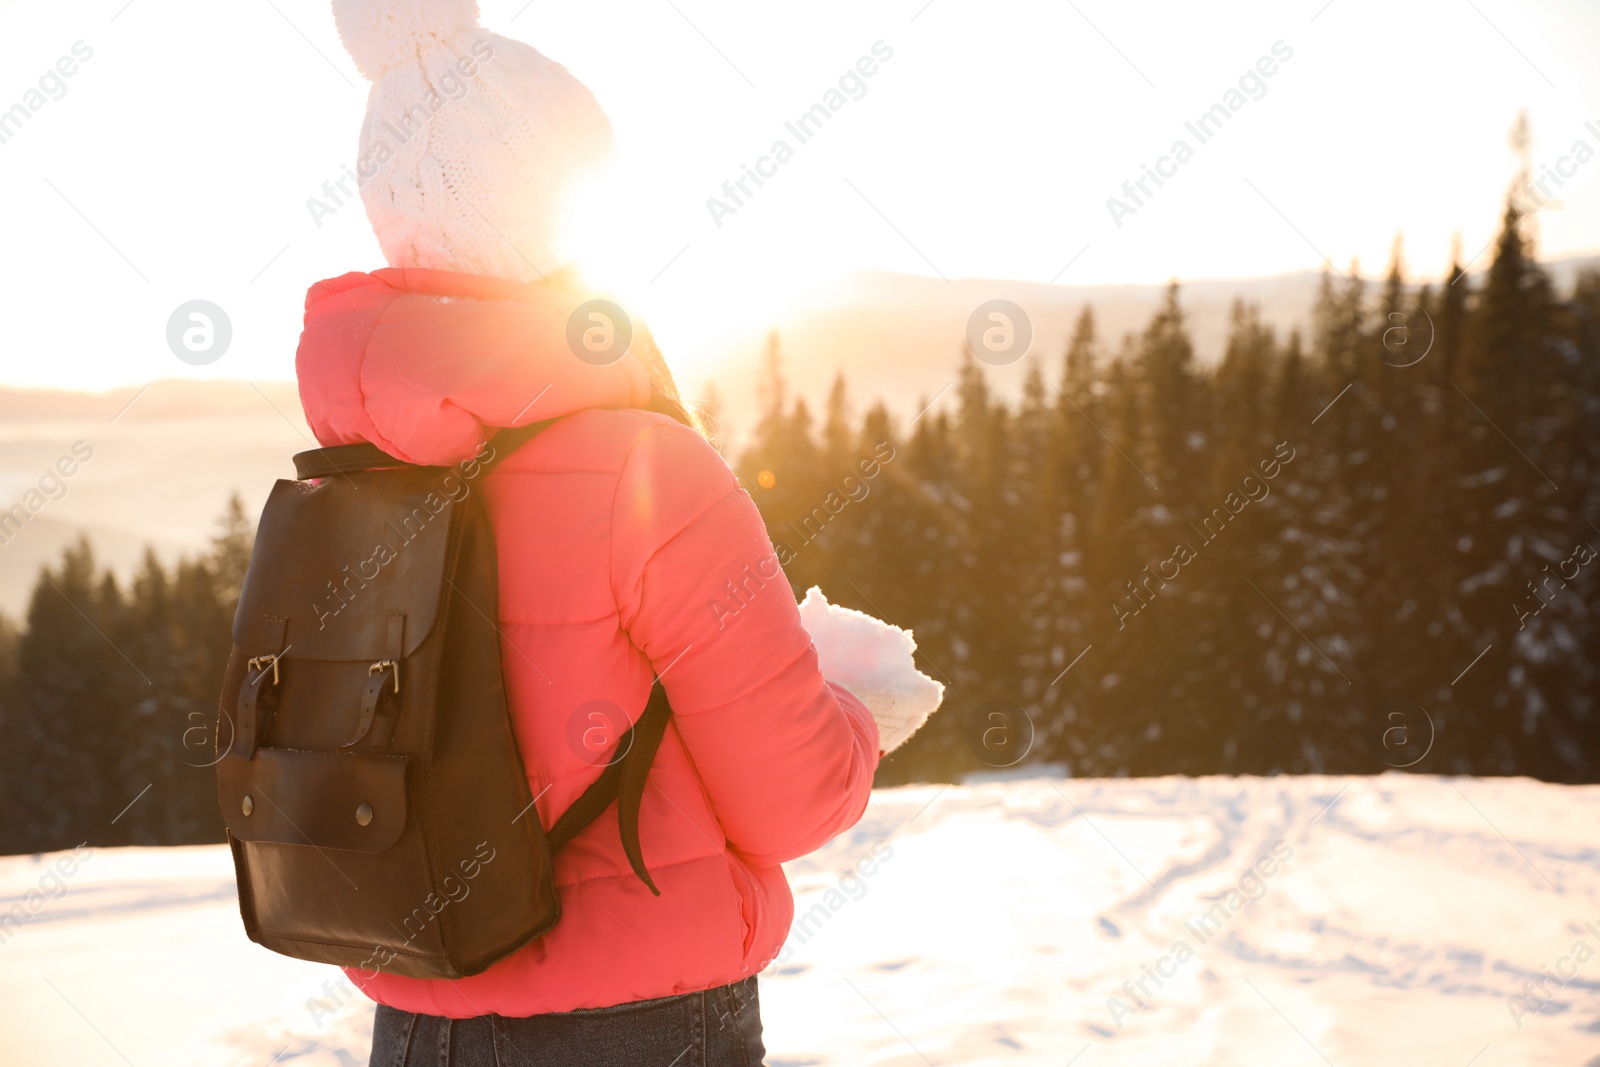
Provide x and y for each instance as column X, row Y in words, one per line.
column 1369, row 544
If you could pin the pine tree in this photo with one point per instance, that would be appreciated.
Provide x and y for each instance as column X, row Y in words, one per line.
column 1107, row 691
column 1518, row 523
column 1232, row 689
column 1073, row 464
column 16, row 761
column 75, row 709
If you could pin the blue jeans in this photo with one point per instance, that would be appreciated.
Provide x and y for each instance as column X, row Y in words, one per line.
column 718, row 1027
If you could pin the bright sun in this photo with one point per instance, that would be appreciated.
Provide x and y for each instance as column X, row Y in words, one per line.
column 611, row 233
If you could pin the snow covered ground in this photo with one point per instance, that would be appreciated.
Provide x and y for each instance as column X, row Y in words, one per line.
column 1283, row 921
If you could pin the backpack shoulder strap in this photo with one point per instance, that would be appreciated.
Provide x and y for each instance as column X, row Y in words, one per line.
column 623, row 780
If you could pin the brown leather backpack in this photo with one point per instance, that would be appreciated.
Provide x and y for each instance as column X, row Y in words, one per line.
column 376, row 803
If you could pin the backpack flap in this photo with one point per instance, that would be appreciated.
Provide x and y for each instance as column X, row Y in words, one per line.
column 339, row 558
column 352, row 801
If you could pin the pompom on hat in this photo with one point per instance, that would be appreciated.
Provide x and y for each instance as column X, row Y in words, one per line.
column 472, row 142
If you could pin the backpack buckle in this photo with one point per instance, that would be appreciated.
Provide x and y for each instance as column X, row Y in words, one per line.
column 379, row 709
column 385, row 664
column 261, row 663
column 257, row 700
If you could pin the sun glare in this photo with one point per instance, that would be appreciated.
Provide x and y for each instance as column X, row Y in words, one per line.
column 602, row 236
column 613, row 235
column 594, row 231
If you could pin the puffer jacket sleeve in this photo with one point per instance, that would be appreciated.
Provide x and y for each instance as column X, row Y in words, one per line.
column 785, row 758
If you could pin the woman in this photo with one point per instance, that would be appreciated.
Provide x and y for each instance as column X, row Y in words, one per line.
column 627, row 552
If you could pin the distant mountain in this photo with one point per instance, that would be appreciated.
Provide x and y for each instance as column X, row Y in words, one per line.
column 160, row 472
column 160, row 401
column 899, row 337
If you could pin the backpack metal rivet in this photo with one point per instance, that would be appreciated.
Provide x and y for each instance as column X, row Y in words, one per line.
column 248, row 805
column 364, row 814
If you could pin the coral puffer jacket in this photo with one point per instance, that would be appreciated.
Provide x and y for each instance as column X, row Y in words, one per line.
column 627, row 551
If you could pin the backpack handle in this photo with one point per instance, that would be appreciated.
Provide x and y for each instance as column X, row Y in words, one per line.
column 345, row 459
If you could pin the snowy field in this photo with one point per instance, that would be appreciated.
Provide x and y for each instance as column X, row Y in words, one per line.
column 1287, row 921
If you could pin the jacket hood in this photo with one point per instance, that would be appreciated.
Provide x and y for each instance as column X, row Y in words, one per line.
column 426, row 364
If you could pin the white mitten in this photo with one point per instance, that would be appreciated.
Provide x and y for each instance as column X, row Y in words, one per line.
column 873, row 660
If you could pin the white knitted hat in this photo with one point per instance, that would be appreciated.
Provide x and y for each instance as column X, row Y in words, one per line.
column 472, row 141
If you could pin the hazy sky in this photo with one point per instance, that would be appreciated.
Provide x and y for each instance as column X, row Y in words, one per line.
column 177, row 162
